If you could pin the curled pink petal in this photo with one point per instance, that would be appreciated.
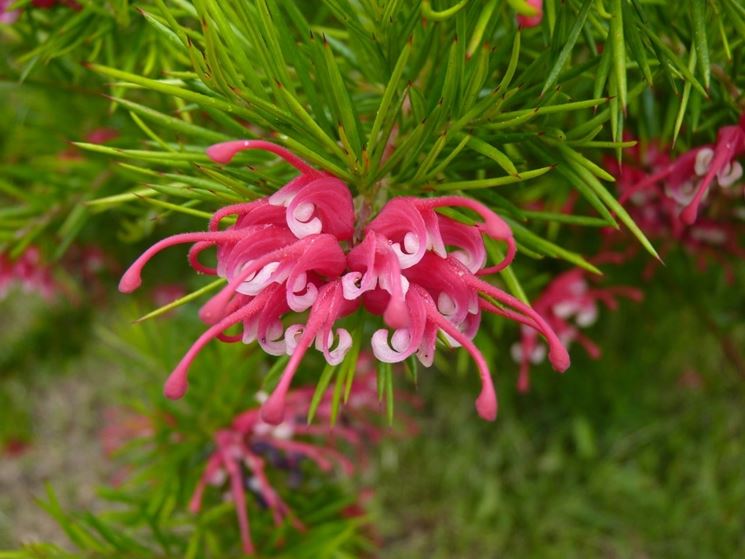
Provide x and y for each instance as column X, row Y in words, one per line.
column 399, row 349
column 730, row 174
column 320, row 253
column 404, row 228
column 324, row 205
column 344, row 343
column 467, row 239
column 404, row 341
column 493, row 225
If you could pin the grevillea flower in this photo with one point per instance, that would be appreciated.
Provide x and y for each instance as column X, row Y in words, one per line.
column 293, row 252
column 689, row 177
column 657, row 207
column 534, row 18
column 249, row 446
column 29, row 272
column 282, row 254
column 569, row 303
column 420, row 270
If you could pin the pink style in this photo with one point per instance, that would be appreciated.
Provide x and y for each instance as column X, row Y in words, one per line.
column 294, row 252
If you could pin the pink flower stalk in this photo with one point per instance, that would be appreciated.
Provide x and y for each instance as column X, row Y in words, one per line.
column 528, row 20
column 688, row 178
column 568, row 304
column 246, row 448
column 420, row 270
column 29, row 272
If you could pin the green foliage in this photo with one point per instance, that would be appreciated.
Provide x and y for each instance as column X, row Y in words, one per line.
column 395, row 98
column 637, row 454
column 355, row 89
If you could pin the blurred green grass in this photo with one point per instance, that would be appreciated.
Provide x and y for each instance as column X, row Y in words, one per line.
column 639, row 454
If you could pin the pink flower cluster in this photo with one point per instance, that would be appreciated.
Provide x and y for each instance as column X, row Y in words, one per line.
column 29, row 272
column 687, row 179
column 569, row 303
column 295, row 251
column 245, row 449
column 657, row 191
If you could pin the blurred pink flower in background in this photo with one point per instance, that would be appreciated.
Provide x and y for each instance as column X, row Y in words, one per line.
column 14, row 447
column 691, row 379
column 100, row 135
column 168, row 293
column 7, row 15
column 245, row 450
column 569, row 303
column 28, row 272
column 657, row 192
column 121, row 427
column 687, row 179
